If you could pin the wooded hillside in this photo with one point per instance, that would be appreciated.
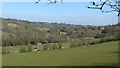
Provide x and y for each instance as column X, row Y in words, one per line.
column 21, row 32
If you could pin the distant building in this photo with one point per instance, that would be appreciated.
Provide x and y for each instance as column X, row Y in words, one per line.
column 102, row 28
column 42, row 28
column 88, row 38
column 62, row 32
column 39, row 44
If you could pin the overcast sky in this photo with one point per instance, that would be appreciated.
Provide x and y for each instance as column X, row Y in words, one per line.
column 66, row 12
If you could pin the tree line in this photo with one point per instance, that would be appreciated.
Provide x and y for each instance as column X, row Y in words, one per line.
column 20, row 32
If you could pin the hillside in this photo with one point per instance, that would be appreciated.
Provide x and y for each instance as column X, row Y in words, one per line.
column 21, row 32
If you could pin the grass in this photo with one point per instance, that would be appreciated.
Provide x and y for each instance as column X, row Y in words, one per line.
column 0, row 56
column 104, row 54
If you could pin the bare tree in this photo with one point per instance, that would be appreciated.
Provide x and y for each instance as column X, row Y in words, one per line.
column 113, row 5
column 50, row 1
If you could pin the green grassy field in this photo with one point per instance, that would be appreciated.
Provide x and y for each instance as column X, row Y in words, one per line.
column 104, row 54
column 0, row 56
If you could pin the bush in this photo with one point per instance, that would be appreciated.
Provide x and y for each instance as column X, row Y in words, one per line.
column 54, row 46
column 75, row 43
column 22, row 49
column 81, row 43
column 117, row 36
column 45, row 47
column 99, row 36
column 29, row 48
column 49, row 46
column 5, row 50
column 59, row 45
column 106, row 40
column 93, row 42
column 101, row 40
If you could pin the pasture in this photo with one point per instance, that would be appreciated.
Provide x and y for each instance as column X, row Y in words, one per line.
column 103, row 54
column 0, row 56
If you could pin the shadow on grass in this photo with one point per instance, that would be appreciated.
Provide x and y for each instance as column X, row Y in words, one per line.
column 116, row 52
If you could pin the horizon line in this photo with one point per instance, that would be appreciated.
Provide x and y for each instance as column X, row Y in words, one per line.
column 54, row 22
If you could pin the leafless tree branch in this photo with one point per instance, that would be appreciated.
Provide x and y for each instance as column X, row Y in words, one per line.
column 114, row 5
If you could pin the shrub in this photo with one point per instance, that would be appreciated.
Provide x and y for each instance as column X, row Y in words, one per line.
column 106, row 39
column 22, row 49
column 102, row 40
column 29, row 48
column 49, row 46
column 99, row 36
column 81, row 43
column 5, row 50
column 59, row 45
column 54, row 46
column 110, row 39
column 75, row 43
column 117, row 36
column 93, row 42
column 45, row 47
